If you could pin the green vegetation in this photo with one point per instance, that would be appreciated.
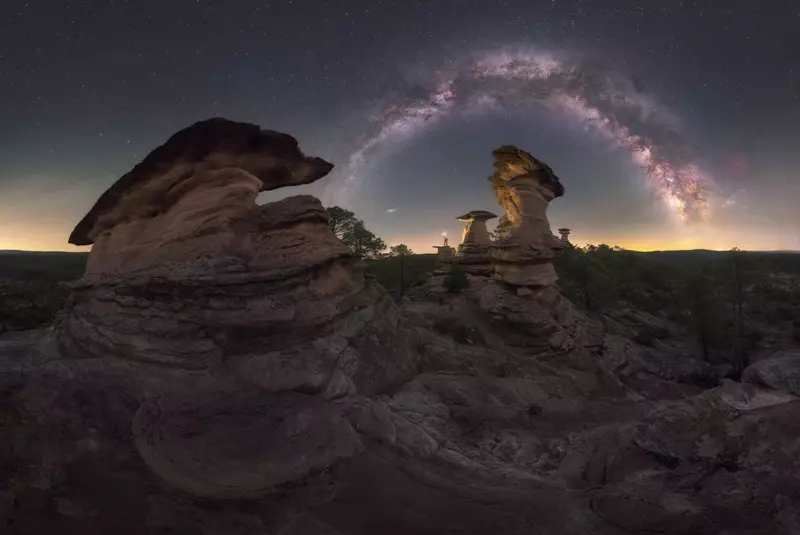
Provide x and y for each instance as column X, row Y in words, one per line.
column 726, row 300
column 729, row 302
column 31, row 286
column 352, row 231
column 456, row 280
column 415, row 268
column 401, row 249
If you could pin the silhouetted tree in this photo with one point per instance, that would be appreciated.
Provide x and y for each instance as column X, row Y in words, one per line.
column 363, row 242
column 399, row 250
column 340, row 220
column 707, row 310
column 739, row 352
column 352, row 231
column 456, row 280
column 501, row 231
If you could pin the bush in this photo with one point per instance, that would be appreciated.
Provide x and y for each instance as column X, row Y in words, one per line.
column 456, row 280
column 415, row 269
column 752, row 337
column 785, row 313
column 645, row 338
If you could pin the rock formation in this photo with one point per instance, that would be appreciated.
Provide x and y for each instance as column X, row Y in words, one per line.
column 444, row 253
column 781, row 371
column 524, row 187
column 473, row 252
column 227, row 368
column 564, row 232
column 513, row 278
column 217, row 302
column 187, row 271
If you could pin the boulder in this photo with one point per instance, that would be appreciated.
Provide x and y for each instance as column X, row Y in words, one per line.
column 779, row 372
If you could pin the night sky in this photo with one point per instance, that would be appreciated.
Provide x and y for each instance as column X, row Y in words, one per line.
column 672, row 124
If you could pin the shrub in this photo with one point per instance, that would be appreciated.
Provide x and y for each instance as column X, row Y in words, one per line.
column 785, row 313
column 645, row 338
column 456, row 280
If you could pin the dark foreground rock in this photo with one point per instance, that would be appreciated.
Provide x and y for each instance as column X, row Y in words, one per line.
column 266, row 386
column 781, row 372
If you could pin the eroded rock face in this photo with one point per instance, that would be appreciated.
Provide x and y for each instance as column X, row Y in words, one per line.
column 222, row 306
column 524, row 187
column 780, row 372
column 475, row 240
column 270, row 388
column 444, row 253
column 473, row 252
column 196, row 159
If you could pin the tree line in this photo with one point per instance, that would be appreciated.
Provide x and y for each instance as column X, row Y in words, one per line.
column 354, row 233
column 726, row 300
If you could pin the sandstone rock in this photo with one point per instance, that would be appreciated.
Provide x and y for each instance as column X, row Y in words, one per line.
column 474, row 247
column 265, row 385
column 781, row 372
column 541, row 320
column 444, row 253
column 203, row 307
column 188, row 272
column 235, row 160
column 241, row 446
column 524, row 187
column 748, row 397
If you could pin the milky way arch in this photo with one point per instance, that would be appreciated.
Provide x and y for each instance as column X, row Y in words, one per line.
column 610, row 105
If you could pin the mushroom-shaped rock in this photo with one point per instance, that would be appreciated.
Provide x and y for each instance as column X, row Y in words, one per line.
column 187, row 271
column 474, row 247
column 196, row 159
column 190, row 204
column 477, row 215
column 475, row 230
column 524, row 186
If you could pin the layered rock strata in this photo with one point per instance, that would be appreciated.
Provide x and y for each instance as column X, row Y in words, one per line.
column 524, row 187
column 473, row 252
column 444, row 253
column 520, row 296
column 260, row 384
column 222, row 306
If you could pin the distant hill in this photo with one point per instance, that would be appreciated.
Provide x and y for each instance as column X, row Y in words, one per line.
column 42, row 266
column 707, row 251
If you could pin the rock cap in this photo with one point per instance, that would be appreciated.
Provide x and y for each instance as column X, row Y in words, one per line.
column 511, row 162
column 272, row 157
column 477, row 215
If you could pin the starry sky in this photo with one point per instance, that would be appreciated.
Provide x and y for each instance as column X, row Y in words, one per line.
column 673, row 124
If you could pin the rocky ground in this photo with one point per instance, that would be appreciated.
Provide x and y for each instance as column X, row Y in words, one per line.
column 243, row 376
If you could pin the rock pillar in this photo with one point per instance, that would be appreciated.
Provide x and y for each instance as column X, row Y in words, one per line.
column 444, row 253
column 473, row 252
column 524, row 186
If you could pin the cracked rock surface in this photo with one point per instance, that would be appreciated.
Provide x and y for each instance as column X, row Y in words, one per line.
column 227, row 368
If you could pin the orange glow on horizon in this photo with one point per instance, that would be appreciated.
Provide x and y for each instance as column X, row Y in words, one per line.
column 50, row 235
